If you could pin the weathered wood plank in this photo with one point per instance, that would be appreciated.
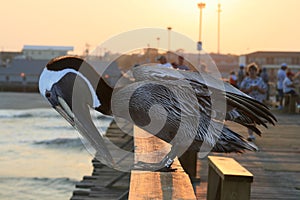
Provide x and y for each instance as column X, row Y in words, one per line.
column 227, row 179
column 229, row 169
column 157, row 185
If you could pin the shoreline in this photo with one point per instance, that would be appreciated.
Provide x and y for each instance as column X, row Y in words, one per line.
column 22, row 100
column 18, row 87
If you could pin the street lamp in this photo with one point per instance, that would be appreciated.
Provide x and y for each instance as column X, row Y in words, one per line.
column 200, row 6
column 199, row 44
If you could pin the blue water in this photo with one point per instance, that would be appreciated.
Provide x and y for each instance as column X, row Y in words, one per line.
column 41, row 155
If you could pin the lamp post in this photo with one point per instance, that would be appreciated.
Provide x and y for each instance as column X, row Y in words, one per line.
column 199, row 44
column 200, row 6
column 169, row 42
column 158, row 38
column 169, row 37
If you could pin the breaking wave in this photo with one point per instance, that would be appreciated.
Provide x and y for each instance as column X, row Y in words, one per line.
column 33, row 113
column 55, row 181
column 42, row 113
column 61, row 143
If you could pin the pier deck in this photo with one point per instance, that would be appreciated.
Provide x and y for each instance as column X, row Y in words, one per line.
column 276, row 167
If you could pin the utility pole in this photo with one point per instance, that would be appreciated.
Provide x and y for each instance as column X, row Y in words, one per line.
column 200, row 6
column 219, row 17
column 199, row 44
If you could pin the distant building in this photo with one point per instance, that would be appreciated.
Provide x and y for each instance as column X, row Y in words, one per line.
column 20, row 69
column 272, row 59
column 45, row 52
column 226, row 63
column 7, row 56
column 17, row 68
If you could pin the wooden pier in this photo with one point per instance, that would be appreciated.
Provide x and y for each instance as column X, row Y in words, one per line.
column 275, row 168
column 157, row 185
column 106, row 183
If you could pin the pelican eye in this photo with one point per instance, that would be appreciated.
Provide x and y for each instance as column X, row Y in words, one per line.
column 48, row 94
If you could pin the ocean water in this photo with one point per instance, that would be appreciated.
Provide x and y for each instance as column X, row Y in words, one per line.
column 41, row 155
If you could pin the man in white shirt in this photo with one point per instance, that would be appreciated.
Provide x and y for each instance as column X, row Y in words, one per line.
column 163, row 62
column 280, row 78
column 289, row 87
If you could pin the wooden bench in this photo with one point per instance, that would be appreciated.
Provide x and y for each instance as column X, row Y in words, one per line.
column 289, row 105
column 157, row 185
column 227, row 180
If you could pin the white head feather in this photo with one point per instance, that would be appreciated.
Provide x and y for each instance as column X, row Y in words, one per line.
column 49, row 78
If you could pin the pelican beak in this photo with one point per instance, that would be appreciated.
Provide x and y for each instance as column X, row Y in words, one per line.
column 64, row 110
column 60, row 105
column 79, row 117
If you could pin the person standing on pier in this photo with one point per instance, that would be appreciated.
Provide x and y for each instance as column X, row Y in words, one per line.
column 289, row 87
column 163, row 62
column 233, row 79
column 280, row 78
column 255, row 87
column 265, row 77
column 241, row 75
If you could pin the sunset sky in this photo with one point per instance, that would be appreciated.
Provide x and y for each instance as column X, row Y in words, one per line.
column 246, row 25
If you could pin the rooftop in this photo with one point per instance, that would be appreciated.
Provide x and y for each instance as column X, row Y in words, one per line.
column 53, row 48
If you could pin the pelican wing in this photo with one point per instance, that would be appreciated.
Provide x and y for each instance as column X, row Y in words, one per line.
column 172, row 114
column 211, row 94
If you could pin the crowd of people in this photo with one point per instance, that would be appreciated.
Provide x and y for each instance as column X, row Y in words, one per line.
column 179, row 65
column 285, row 81
column 253, row 81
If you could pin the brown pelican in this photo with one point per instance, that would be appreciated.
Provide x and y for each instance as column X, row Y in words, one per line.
column 179, row 102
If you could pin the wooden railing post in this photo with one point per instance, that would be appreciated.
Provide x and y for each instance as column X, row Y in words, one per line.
column 227, row 179
column 157, row 185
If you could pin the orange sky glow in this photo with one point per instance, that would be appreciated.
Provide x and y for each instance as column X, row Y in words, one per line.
column 246, row 25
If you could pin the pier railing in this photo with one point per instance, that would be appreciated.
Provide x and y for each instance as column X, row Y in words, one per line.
column 157, row 185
